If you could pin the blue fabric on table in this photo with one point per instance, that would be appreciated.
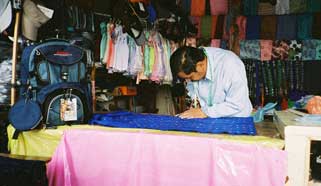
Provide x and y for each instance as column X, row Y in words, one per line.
column 122, row 119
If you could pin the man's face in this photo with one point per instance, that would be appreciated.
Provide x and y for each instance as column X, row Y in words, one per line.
column 195, row 76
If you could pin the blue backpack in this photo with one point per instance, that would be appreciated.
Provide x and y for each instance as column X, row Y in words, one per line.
column 53, row 73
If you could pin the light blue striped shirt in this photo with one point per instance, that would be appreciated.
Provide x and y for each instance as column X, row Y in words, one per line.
column 224, row 91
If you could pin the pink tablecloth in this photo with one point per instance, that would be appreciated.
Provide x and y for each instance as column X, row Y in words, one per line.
column 92, row 157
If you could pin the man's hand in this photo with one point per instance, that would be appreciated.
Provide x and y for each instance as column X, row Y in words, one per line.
column 192, row 113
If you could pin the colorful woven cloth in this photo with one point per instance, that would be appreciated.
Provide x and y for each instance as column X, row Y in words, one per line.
column 241, row 24
column 268, row 27
column 215, row 43
column 250, row 7
column 198, row 7
column 310, row 48
column 230, row 125
column 305, row 22
column 280, row 50
column 266, row 8
column 298, row 6
column 286, row 27
column 314, row 6
column 250, row 49
column 266, row 50
column 214, row 23
column 219, row 7
column 206, row 26
column 318, row 51
column 219, row 27
column 295, row 52
column 253, row 27
column 224, row 44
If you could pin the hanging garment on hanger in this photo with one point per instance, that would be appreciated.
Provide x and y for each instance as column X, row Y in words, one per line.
column 168, row 77
column 109, row 27
column 135, row 60
column 103, row 42
column 120, row 63
column 111, row 47
column 158, row 67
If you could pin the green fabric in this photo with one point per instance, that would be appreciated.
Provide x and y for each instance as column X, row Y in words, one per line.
column 314, row 6
column 151, row 59
column 206, row 26
column 146, row 57
column 305, row 26
column 318, row 50
column 103, row 42
column 298, row 6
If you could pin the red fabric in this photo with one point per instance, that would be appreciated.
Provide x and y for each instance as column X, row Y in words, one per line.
column 214, row 23
column 241, row 23
column 198, row 7
column 219, row 7
column 266, row 49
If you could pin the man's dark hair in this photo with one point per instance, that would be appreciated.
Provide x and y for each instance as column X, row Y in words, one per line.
column 184, row 59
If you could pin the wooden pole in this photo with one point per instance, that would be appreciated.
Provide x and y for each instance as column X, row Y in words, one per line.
column 93, row 85
column 14, row 57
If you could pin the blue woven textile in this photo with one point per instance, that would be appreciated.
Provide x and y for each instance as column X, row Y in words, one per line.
column 230, row 125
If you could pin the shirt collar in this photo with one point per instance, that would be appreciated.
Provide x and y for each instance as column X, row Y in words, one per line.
column 209, row 70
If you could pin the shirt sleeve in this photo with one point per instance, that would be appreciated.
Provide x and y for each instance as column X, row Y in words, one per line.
column 237, row 101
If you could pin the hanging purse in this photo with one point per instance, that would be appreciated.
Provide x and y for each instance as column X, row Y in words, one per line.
column 25, row 115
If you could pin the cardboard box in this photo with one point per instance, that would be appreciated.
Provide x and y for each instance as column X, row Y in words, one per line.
column 125, row 91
